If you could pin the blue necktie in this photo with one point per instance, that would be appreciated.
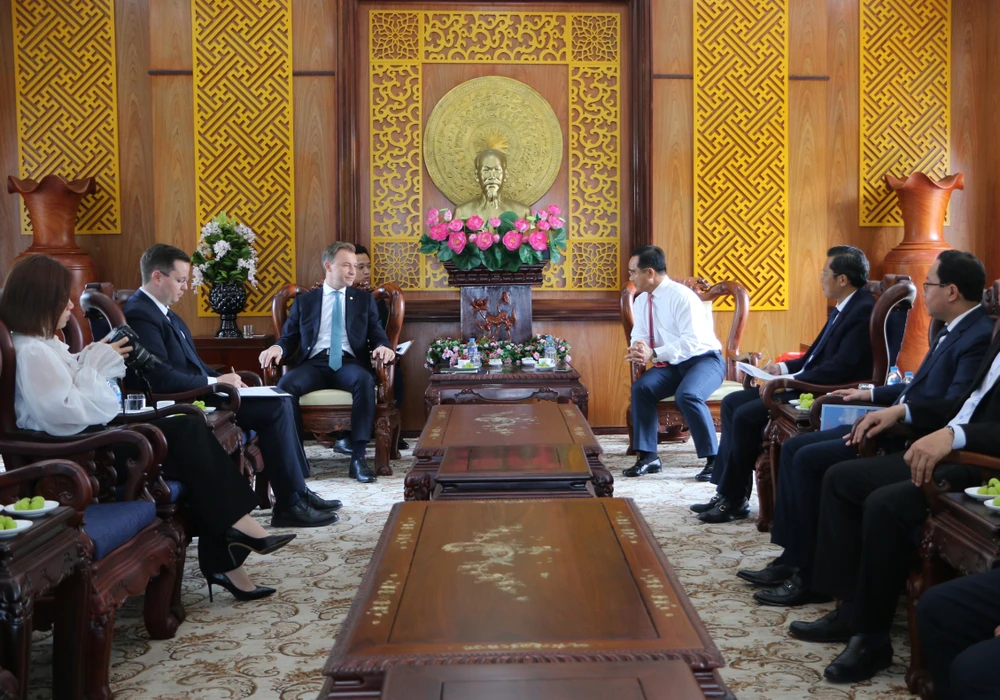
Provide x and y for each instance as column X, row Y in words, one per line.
column 826, row 333
column 174, row 320
column 337, row 333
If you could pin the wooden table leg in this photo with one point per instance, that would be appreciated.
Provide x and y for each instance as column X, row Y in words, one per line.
column 16, row 616
column 69, row 643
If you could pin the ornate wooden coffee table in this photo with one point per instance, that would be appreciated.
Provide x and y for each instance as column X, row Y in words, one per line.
column 505, row 385
column 649, row 680
column 491, row 427
column 516, row 581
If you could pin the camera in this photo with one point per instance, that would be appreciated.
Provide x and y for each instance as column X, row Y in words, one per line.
column 140, row 359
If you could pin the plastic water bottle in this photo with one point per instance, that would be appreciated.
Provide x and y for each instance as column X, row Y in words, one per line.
column 473, row 352
column 894, row 376
column 550, row 351
column 907, row 377
column 118, row 392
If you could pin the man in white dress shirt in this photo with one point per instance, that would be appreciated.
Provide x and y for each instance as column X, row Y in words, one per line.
column 673, row 332
column 334, row 331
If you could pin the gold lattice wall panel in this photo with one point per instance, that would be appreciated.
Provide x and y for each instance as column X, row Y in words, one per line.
column 905, row 98
column 402, row 43
column 67, row 103
column 243, row 130
column 741, row 146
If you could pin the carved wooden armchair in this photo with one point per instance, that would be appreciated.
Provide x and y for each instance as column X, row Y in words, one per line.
column 328, row 411
column 131, row 549
column 102, row 306
column 671, row 423
column 895, row 295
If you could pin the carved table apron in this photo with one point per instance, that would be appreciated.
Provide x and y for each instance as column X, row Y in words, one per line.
column 490, row 426
column 49, row 556
column 507, row 385
column 516, row 581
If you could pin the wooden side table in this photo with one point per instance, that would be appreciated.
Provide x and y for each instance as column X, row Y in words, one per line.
column 50, row 556
column 240, row 353
column 505, row 385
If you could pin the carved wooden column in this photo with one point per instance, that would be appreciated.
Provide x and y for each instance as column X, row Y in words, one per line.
column 924, row 204
column 497, row 303
column 52, row 206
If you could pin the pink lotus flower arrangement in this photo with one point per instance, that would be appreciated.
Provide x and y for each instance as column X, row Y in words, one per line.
column 501, row 243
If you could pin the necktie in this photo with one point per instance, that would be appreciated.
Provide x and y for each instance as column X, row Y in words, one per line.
column 175, row 322
column 337, row 333
column 824, row 335
column 937, row 340
column 935, row 344
column 652, row 332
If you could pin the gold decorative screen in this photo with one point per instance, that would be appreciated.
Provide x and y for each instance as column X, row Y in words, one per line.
column 402, row 43
column 741, row 146
column 67, row 101
column 243, row 131
column 905, row 98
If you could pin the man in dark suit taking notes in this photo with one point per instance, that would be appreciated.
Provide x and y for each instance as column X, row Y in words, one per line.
column 335, row 332
column 165, row 271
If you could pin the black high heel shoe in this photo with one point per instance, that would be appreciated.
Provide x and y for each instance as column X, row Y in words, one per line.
column 260, row 545
column 238, row 593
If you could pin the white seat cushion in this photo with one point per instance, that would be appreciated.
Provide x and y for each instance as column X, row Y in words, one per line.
column 722, row 392
column 326, row 397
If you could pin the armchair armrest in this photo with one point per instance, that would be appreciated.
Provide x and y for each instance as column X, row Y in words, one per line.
column 56, row 479
column 385, row 378
column 136, row 468
column 751, row 358
column 934, row 488
column 772, row 386
column 232, row 402
column 250, row 378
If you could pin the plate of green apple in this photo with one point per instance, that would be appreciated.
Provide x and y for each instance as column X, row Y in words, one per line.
column 984, row 493
column 31, row 507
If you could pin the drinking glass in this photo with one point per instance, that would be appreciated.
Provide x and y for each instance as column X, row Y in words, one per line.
column 135, row 403
column 248, row 330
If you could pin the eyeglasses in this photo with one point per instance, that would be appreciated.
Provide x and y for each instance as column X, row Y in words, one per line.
column 925, row 284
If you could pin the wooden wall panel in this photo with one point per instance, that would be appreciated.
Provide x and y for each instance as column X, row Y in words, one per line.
column 11, row 240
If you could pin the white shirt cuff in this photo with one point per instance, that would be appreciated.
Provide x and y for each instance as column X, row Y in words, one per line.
column 871, row 396
column 783, row 367
column 959, row 442
column 212, row 380
column 907, row 419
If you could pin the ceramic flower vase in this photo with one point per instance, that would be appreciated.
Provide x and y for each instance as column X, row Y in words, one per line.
column 228, row 299
column 924, row 204
column 52, row 205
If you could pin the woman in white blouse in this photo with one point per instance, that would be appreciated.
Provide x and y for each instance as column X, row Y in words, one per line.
column 62, row 393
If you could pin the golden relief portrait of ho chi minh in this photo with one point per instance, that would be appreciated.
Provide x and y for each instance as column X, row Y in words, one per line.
column 491, row 145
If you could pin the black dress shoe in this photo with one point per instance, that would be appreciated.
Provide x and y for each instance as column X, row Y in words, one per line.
column 302, row 515
column 342, row 445
column 702, row 507
column 361, row 471
column 859, row 661
column 643, row 466
column 320, row 503
column 770, row 575
column 402, row 444
column 794, row 591
column 238, row 593
column 260, row 545
column 832, row 627
column 705, row 474
column 725, row 512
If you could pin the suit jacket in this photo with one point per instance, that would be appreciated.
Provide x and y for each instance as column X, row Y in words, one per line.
column 845, row 355
column 182, row 369
column 948, row 372
column 982, row 432
column 301, row 329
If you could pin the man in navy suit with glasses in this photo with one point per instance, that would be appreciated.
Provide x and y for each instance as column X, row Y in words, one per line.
column 335, row 331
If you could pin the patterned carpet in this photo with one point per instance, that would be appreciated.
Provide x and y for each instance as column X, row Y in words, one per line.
column 276, row 648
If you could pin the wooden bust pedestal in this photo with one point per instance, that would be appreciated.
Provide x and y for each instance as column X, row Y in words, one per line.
column 496, row 304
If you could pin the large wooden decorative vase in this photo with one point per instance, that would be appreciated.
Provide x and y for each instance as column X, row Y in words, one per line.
column 52, row 206
column 496, row 303
column 924, row 204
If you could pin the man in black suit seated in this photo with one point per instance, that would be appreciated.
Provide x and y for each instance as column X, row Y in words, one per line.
column 334, row 329
column 952, row 292
column 840, row 354
column 871, row 511
column 165, row 271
